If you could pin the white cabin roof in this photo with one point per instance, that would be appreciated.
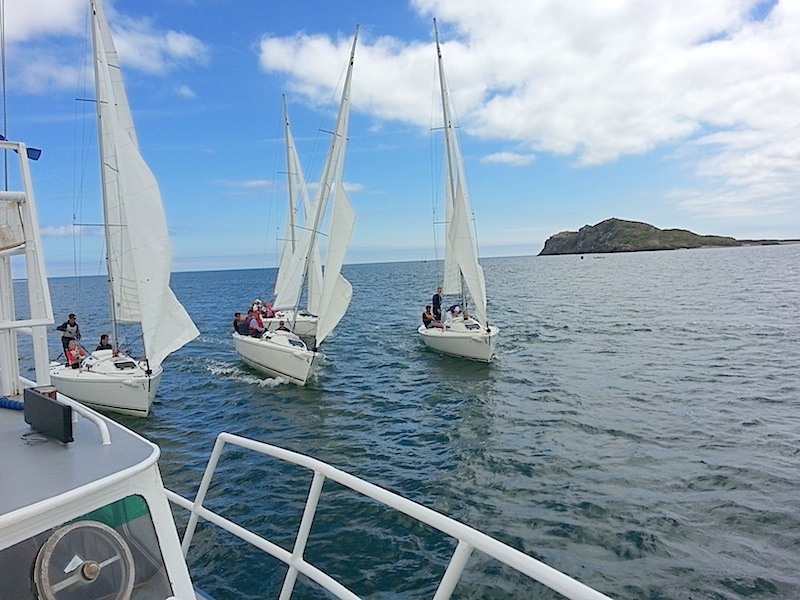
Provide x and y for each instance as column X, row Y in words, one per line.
column 34, row 468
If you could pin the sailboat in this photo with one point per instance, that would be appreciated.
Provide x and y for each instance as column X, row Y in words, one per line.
column 462, row 334
column 288, row 283
column 138, row 255
column 284, row 353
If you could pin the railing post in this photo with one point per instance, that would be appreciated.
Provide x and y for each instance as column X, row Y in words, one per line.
column 454, row 570
column 302, row 535
column 219, row 444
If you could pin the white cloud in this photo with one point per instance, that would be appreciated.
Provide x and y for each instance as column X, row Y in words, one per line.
column 596, row 82
column 509, row 158
column 70, row 231
column 47, row 64
column 142, row 46
column 25, row 21
column 248, row 184
column 184, row 91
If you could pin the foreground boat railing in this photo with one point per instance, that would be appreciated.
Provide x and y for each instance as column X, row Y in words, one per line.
column 468, row 539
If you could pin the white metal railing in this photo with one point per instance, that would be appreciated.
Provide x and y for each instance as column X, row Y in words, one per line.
column 468, row 538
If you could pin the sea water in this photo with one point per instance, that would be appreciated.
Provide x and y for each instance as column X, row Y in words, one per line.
column 639, row 430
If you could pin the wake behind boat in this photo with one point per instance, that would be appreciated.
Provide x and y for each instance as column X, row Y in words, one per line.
column 285, row 354
column 139, row 255
column 460, row 334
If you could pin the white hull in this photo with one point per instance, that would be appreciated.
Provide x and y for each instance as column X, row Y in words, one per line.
column 458, row 339
column 304, row 326
column 114, row 383
column 279, row 354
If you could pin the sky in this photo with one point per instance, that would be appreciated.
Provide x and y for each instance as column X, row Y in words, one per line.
column 681, row 114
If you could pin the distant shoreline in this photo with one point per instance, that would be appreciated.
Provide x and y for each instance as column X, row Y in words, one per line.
column 768, row 242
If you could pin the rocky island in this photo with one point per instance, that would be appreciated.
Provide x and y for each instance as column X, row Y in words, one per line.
column 617, row 235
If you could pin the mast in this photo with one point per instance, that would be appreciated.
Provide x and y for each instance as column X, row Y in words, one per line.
column 102, row 96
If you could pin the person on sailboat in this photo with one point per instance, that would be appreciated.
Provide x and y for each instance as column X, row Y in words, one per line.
column 75, row 354
column 242, row 325
column 429, row 320
column 255, row 324
column 104, row 345
column 282, row 327
column 69, row 331
column 437, row 304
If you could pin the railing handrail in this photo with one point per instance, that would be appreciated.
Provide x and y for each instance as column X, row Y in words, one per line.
column 468, row 538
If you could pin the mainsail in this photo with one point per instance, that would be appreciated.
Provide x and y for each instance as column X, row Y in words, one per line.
column 289, row 281
column 139, row 252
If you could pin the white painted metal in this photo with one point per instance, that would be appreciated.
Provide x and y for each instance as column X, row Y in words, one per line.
column 467, row 537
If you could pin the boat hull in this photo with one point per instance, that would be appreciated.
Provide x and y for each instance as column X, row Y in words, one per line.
column 277, row 355
column 113, row 383
column 457, row 339
column 305, row 325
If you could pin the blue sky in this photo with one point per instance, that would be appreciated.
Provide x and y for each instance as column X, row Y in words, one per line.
column 679, row 114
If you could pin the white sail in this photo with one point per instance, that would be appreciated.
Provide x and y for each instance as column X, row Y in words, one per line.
column 336, row 290
column 139, row 249
column 461, row 250
column 289, row 242
column 289, row 280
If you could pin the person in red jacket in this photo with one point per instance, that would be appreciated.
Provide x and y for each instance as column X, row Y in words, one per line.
column 75, row 354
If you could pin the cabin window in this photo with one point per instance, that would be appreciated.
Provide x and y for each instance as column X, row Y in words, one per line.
column 123, row 365
column 119, row 536
column 472, row 326
column 297, row 343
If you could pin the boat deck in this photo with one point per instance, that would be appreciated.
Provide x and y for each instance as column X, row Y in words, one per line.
column 34, row 468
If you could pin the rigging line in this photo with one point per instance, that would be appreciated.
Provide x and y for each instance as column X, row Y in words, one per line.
column 81, row 151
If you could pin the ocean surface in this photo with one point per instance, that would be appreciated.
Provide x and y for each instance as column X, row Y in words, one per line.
column 639, row 431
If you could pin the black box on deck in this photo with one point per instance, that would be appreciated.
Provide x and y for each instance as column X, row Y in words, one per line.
column 46, row 414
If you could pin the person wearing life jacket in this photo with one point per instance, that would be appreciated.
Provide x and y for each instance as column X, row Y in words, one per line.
column 256, row 325
column 75, row 354
column 69, row 331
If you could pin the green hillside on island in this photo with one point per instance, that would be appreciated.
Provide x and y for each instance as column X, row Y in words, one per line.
column 617, row 235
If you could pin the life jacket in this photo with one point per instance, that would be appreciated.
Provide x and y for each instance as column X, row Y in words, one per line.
column 74, row 357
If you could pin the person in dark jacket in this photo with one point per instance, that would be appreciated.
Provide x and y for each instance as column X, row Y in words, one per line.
column 437, row 304
column 69, row 331
column 104, row 345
